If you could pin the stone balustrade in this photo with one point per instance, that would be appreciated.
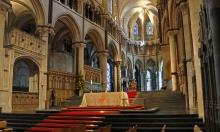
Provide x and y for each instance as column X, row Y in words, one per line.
column 27, row 42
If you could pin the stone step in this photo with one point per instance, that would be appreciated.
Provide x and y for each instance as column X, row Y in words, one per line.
column 154, row 129
column 165, row 100
column 154, row 124
column 137, row 115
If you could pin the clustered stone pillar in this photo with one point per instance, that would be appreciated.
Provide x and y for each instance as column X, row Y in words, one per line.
column 172, row 42
column 79, row 48
column 103, row 64
column 118, row 75
column 44, row 31
column 195, row 8
column 115, row 77
column 189, row 52
column 5, row 93
column 214, row 18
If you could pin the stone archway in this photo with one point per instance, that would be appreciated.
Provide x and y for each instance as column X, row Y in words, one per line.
column 25, row 88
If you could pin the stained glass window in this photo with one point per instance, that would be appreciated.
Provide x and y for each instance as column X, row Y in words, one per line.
column 149, row 28
column 135, row 33
column 161, row 75
column 148, row 80
column 108, row 77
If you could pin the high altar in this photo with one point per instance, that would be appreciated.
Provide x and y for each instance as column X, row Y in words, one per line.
column 105, row 99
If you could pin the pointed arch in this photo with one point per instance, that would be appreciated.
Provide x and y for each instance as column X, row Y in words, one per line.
column 72, row 25
column 33, row 7
column 113, row 51
column 96, row 37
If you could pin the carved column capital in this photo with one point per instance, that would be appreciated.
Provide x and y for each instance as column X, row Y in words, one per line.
column 184, row 7
column 172, row 32
column 78, row 44
column 45, row 29
column 117, row 63
column 103, row 53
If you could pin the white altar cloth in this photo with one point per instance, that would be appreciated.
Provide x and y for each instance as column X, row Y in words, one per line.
column 105, row 99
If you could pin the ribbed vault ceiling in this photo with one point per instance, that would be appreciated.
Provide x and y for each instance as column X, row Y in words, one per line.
column 134, row 9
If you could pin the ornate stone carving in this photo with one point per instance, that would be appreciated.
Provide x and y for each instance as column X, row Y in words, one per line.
column 24, row 101
column 61, row 87
column 27, row 43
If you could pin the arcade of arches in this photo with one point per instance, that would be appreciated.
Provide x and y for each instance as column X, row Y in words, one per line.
column 154, row 45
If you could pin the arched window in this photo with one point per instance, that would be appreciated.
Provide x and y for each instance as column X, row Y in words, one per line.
column 135, row 32
column 110, row 6
column 160, row 75
column 25, row 76
column 109, row 85
column 21, row 77
column 149, row 29
column 149, row 80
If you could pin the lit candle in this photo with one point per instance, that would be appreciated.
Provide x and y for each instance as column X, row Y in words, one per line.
column 91, row 82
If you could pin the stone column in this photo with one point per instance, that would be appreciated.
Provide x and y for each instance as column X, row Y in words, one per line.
column 45, row 32
column 214, row 18
column 145, row 81
column 5, row 92
column 172, row 42
column 119, row 77
column 79, row 49
column 195, row 8
column 115, row 77
column 103, row 64
column 189, row 51
column 118, row 65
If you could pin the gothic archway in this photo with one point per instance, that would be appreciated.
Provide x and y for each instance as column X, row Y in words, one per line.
column 25, row 76
column 25, row 85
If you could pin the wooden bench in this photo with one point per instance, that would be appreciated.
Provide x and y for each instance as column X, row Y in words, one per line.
column 3, row 124
column 3, row 127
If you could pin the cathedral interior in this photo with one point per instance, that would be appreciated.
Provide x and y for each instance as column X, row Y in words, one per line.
column 121, row 55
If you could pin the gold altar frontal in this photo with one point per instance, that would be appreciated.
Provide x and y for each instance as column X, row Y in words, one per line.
column 105, row 99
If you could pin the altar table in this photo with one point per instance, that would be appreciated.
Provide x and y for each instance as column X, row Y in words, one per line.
column 105, row 99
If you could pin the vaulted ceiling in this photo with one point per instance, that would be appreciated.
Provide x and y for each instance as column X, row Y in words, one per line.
column 134, row 9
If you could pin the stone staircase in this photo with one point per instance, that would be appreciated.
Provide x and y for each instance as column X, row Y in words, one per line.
column 172, row 113
column 153, row 122
column 22, row 122
column 168, row 102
